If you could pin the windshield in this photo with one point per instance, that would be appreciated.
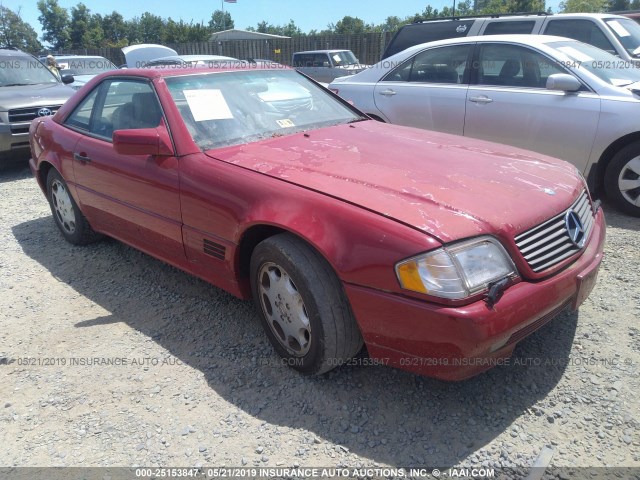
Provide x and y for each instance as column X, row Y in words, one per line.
column 603, row 65
column 232, row 108
column 23, row 71
column 626, row 31
column 344, row 58
column 84, row 66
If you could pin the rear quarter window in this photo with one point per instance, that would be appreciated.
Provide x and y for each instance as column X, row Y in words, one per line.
column 506, row 28
column 418, row 33
column 582, row 30
column 309, row 60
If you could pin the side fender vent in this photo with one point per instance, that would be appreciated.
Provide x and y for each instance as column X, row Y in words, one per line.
column 214, row 249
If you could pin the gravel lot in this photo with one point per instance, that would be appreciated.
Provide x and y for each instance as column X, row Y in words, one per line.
column 198, row 383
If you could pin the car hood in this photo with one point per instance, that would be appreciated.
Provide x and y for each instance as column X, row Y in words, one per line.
column 26, row 96
column 448, row 186
column 138, row 56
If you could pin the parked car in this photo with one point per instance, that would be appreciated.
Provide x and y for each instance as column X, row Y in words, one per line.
column 325, row 65
column 137, row 56
column 82, row 67
column 27, row 90
column 549, row 94
column 182, row 61
column 615, row 34
column 436, row 251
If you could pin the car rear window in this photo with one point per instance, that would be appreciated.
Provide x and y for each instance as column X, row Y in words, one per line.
column 307, row 60
column 582, row 30
column 418, row 33
column 506, row 28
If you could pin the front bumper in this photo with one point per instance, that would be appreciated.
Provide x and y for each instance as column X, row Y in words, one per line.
column 454, row 343
column 14, row 138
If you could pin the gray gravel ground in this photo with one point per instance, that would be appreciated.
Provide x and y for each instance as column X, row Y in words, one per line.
column 198, row 384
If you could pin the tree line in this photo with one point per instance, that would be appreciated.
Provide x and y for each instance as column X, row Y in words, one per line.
column 77, row 27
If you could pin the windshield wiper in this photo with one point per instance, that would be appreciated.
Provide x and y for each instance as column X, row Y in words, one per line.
column 16, row 84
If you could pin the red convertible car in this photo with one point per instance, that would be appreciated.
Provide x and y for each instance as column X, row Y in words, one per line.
column 438, row 252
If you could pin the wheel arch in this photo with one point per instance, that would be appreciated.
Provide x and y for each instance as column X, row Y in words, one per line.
column 257, row 233
column 43, row 171
column 595, row 177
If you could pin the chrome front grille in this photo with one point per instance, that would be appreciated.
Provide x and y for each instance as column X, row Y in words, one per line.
column 28, row 114
column 551, row 242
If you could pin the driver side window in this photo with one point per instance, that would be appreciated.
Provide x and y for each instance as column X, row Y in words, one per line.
column 436, row 65
column 117, row 105
column 514, row 66
column 81, row 116
column 131, row 105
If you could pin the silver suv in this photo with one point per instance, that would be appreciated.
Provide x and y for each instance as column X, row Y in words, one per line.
column 326, row 65
column 27, row 90
column 620, row 36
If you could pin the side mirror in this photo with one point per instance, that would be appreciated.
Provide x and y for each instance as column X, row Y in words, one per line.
column 143, row 141
column 563, row 82
column 67, row 79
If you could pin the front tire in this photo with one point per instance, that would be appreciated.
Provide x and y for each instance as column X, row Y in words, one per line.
column 68, row 218
column 622, row 179
column 302, row 306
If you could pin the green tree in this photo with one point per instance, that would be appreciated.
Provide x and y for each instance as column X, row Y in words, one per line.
column 349, row 25
column 133, row 30
column 584, row 6
column 494, row 6
column 151, row 28
column 94, row 35
column 511, row 6
column 619, row 5
column 198, row 32
column 80, row 23
column 175, row 32
column 391, row 24
column 263, row 27
column 464, row 8
column 55, row 23
column 515, row 6
column 288, row 30
column 221, row 21
column 291, row 29
column 115, row 30
column 14, row 32
column 182, row 32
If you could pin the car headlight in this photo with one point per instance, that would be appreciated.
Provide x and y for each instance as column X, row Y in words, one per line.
column 456, row 271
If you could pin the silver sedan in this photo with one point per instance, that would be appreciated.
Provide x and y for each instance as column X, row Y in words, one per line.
column 553, row 95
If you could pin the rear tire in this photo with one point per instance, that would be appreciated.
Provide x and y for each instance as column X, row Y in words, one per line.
column 622, row 179
column 68, row 218
column 303, row 308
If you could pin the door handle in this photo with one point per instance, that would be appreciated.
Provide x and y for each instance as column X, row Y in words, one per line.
column 388, row 93
column 482, row 99
column 81, row 157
